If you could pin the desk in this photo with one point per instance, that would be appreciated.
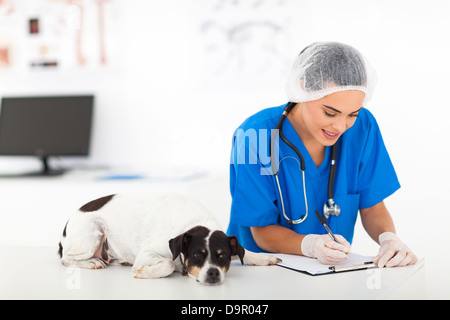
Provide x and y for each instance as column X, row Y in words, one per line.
column 35, row 273
column 33, row 213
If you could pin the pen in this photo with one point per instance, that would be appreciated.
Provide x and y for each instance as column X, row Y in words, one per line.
column 326, row 226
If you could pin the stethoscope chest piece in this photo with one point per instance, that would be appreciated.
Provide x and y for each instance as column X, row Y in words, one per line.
column 331, row 209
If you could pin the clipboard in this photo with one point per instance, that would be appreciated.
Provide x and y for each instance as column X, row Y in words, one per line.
column 313, row 267
column 363, row 266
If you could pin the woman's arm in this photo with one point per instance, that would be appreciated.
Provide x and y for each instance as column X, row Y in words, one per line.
column 377, row 220
column 275, row 238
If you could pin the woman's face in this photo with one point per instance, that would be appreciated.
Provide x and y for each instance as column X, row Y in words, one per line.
column 326, row 119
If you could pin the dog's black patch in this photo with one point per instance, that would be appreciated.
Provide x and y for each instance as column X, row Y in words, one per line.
column 64, row 231
column 236, row 248
column 96, row 204
column 180, row 244
column 60, row 250
column 223, row 247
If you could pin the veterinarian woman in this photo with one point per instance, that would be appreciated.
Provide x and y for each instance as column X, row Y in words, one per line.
column 328, row 90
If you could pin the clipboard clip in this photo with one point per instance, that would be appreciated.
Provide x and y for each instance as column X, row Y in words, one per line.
column 366, row 265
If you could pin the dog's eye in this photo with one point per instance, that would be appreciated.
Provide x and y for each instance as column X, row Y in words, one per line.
column 199, row 255
column 221, row 256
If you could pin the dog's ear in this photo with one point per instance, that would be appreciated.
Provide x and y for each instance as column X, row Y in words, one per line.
column 179, row 244
column 236, row 248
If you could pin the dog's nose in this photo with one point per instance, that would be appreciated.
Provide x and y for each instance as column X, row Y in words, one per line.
column 213, row 275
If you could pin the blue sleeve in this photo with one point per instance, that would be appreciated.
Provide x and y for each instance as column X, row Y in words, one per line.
column 377, row 177
column 253, row 194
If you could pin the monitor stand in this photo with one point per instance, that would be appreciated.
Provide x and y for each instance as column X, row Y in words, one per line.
column 45, row 172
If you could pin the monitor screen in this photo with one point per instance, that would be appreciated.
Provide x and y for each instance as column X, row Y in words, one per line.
column 45, row 126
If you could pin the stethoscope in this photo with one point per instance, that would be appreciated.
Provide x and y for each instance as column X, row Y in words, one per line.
column 330, row 207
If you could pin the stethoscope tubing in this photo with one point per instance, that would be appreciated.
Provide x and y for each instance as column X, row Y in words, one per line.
column 275, row 166
column 302, row 218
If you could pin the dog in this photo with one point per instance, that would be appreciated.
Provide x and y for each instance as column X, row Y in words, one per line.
column 156, row 234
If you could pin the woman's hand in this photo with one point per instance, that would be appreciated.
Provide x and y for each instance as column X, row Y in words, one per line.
column 393, row 252
column 325, row 249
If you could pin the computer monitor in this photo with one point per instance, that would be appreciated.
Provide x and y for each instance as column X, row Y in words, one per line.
column 46, row 126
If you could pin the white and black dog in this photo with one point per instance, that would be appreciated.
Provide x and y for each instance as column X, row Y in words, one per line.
column 155, row 233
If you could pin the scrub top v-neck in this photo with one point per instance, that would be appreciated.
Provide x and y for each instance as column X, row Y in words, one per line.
column 365, row 176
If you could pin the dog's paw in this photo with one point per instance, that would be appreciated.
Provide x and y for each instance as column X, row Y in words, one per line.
column 159, row 270
column 93, row 263
column 272, row 260
column 260, row 259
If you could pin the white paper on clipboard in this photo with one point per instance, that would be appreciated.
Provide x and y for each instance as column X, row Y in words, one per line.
column 314, row 267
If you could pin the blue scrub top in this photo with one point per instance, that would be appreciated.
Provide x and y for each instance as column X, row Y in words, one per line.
column 365, row 176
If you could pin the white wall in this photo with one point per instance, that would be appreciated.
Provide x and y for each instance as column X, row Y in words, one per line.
column 186, row 76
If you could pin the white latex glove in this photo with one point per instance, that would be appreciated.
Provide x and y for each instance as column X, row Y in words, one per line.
column 393, row 252
column 324, row 249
